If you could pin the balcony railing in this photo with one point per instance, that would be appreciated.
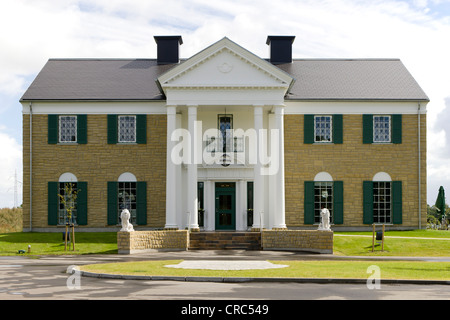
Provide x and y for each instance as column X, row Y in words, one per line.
column 228, row 145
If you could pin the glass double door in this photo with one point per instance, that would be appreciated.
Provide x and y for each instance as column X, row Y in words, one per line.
column 225, row 205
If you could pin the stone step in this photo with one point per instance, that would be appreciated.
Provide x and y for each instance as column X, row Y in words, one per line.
column 225, row 241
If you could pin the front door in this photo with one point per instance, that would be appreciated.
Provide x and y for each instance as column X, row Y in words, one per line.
column 225, row 206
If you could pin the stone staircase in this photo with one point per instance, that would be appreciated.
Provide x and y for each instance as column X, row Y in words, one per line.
column 225, row 240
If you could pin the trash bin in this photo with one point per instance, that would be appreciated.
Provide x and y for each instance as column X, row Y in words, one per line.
column 64, row 236
column 379, row 236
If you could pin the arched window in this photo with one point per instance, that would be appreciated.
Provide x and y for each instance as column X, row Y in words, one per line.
column 127, row 193
column 127, row 187
column 67, row 188
column 382, row 198
column 323, row 195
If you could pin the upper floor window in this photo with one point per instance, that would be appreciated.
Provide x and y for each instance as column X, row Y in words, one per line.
column 67, row 129
column 326, row 129
column 127, row 129
column 382, row 129
column 226, row 134
column 323, row 128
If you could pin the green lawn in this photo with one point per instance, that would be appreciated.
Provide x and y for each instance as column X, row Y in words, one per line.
column 53, row 244
column 297, row 269
column 410, row 244
column 359, row 243
column 345, row 244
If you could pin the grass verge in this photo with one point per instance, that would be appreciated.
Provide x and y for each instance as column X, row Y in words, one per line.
column 417, row 243
column 411, row 270
column 53, row 243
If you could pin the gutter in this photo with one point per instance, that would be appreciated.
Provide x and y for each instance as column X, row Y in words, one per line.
column 31, row 166
column 419, row 162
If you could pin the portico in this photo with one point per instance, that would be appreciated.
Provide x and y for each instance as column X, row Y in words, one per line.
column 225, row 130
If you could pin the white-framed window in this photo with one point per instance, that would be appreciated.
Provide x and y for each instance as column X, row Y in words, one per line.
column 382, row 202
column 127, row 192
column 127, row 195
column 226, row 132
column 62, row 212
column 382, row 129
column 67, row 129
column 127, row 129
column 323, row 198
column 323, row 128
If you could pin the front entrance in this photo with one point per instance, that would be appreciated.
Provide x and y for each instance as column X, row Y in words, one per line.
column 225, row 206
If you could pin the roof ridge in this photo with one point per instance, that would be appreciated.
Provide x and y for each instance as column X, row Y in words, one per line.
column 346, row 59
column 102, row 59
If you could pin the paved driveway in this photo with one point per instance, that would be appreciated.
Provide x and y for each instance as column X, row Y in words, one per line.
column 46, row 278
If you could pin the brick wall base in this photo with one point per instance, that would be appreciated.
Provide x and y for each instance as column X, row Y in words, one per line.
column 178, row 240
column 142, row 241
column 298, row 240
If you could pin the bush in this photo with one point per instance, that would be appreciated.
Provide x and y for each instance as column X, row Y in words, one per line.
column 11, row 220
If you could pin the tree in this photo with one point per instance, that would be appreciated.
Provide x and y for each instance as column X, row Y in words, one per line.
column 69, row 201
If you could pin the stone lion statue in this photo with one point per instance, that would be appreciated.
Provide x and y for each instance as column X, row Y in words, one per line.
column 125, row 217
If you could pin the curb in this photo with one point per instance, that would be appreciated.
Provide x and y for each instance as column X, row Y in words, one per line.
column 243, row 280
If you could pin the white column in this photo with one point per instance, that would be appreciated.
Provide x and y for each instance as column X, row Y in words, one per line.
column 280, row 220
column 210, row 205
column 171, row 167
column 258, row 184
column 192, row 203
column 241, row 205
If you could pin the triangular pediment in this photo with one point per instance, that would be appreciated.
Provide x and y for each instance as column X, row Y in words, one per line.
column 225, row 65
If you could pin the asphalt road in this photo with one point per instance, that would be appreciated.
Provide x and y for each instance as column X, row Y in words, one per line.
column 46, row 278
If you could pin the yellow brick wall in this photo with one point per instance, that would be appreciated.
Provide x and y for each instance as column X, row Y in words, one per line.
column 95, row 163
column 305, row 240
column 129, row 242
column 354, row 162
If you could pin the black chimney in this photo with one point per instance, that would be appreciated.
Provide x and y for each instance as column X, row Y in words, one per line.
column 280, row 48
column 168, row 49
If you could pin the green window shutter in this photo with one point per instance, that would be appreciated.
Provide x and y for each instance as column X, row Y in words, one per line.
column 82, row 129
column 308, row 128
column 53, row 121
column 338, row 202
column 367, row 128
column 367, row 202
column 112, row 128
column 397, row 128
column 250, row 195
column 82, row 203
column 309, row 202
column 141, row 129
column 338, row 129
column 397, row 208
column 112, row 204
column 141, row 203
column 53, row 203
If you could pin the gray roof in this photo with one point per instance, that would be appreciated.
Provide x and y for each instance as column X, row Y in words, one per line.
column 135, row 79
column 352, row 79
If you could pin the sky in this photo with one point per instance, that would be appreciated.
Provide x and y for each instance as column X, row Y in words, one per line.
column 415, row 31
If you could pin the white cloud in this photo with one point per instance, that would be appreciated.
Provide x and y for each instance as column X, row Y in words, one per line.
column 34, row 31
column 11, row 162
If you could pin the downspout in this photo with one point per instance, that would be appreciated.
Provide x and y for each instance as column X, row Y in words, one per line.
column 419, row 151
column 31, row 166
